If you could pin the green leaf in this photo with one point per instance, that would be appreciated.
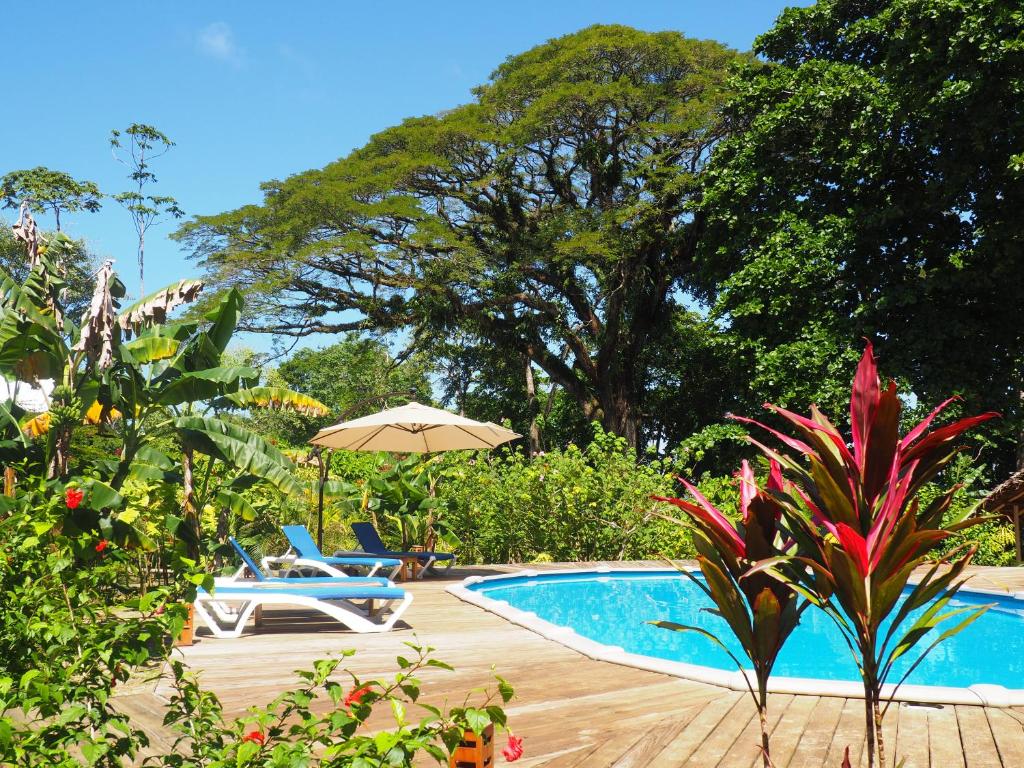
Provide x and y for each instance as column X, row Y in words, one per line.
column 102, row 496
column 477, row 719
column 196, row 386
column 238, row 448
column 149, row 349
column 274, row 398
column 225, row 318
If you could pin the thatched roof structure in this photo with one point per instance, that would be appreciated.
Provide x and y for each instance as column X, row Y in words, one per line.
column 1006, row 494
column 1007, row 498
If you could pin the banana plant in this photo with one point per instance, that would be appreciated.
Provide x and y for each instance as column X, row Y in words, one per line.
column 860, row 532
column 760, row 610
column 37, row 342
column 403, row 494
column 169, row 381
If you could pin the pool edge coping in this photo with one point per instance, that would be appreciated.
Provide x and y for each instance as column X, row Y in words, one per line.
column 980, row 694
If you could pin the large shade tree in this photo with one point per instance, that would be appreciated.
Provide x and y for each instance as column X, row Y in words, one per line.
column 551, row 217
column 874, row 188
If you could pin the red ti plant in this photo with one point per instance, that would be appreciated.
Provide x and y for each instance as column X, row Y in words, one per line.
column 760, row 609
column 860, row 531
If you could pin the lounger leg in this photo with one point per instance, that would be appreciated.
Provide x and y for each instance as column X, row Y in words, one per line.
column 419, row 574
column 234, row 624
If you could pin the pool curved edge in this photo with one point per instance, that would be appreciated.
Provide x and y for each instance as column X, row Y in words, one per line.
column 977, row 695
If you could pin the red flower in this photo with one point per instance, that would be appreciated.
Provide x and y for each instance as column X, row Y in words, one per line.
column 102, row 544
column 73, row 497
column 356, row 696
column 514, row 749
column 258, row 736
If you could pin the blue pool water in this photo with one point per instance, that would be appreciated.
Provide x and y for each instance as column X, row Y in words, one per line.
column 613, row 609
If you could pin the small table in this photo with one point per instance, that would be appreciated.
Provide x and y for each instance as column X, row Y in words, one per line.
column 411, row 567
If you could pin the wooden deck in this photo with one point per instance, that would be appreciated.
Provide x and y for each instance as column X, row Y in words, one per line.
column 572, row 711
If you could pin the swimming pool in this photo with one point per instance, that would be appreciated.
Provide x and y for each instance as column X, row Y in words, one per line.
column 604, row 614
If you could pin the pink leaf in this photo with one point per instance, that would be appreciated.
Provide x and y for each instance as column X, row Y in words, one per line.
column 918, row 430
column 796, row 445
column 748, row 488
column 712, row 518
column 855, row 546
column 863, row 402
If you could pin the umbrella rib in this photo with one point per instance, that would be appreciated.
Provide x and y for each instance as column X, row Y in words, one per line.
column 369, row 437
column 475, row 437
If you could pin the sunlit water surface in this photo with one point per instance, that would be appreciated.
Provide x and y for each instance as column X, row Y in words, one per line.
column 614, row 609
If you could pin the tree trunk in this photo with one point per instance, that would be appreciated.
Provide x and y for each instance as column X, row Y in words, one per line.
column 1020, row 440
column 191, row 514
column 532, row 408
column 620, row 412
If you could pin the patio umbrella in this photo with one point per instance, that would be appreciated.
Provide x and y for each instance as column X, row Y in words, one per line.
column 411, row 428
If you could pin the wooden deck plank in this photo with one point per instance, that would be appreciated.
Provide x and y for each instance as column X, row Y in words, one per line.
column 573, row 711
column 944, row 745
column 976, row 736
column 816, row 735
column 688, row 740
column 912, row 743
column 1008, row 733
column 726, row 732
column 746, row 749
column 849, row 732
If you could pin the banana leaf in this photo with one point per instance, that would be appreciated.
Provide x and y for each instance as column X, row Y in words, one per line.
column 238, row 448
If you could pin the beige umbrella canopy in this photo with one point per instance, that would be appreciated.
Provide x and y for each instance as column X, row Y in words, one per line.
column 413, row 428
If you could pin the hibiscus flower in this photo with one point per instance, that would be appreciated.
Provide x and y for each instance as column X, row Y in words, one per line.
column 514, row 749
column 73, row 497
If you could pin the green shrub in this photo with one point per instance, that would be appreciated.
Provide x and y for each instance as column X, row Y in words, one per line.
column 576, row 504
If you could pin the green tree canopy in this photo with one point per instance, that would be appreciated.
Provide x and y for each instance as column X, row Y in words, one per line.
column 874, row 188
column 49, row 191
column 354, row 370
column 551, row 217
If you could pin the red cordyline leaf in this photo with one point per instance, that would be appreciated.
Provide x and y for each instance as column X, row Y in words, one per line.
column 921, row 426
column 776, row 482
column 863, row 402
column 792, row 442
column 878, row 536
column 748, row 489
column 829, row 431
column 945, row 434
column 855, row 546
column 713, row 519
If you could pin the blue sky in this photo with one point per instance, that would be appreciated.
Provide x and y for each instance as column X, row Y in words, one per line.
column 251, row 91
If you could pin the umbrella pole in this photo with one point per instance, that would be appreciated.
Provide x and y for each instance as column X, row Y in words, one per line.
column 324, row 470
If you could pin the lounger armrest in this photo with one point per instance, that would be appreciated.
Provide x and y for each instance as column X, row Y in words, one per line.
column 276, row 563
column 317, row 565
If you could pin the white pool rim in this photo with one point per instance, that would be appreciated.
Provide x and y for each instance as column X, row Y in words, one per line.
column 982, row 694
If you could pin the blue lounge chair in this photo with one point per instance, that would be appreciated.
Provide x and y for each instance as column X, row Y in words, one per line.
column 371, row 542
column 227, row 609
column 304, row 553
column 300, row 581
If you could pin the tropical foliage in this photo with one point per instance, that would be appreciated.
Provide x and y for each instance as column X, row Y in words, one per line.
column 760, row 610
column 871, row 153
column 860, row 531
column 81, row 613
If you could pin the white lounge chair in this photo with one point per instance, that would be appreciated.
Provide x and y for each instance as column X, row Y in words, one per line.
column 228, row 608
column 304, row 554
column 339, row 577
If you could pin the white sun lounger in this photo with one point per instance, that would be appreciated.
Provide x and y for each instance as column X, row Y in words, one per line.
column 260, row 574
column 228, row 608
column 305, row 555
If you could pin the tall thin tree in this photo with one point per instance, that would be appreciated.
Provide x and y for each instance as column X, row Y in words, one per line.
column 136, row 148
